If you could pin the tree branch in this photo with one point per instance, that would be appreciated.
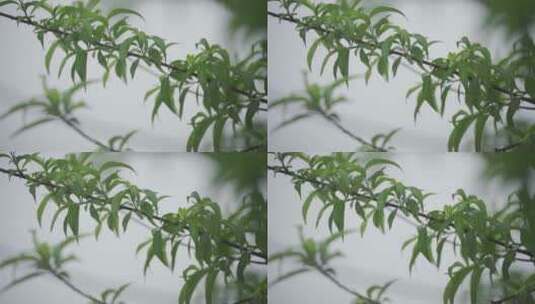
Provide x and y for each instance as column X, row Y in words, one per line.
column 338, row 125
column 284, row 170
column 29, row 21
column 78, row 130
column 342, row 286
column 292, row 19
column 74, row 288
column 24, row 176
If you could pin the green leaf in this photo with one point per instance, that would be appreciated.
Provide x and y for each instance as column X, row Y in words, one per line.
column 440, row 247
column 326, row 60
column 479, row 128
column 120, row 69
column 150, row 255
column 395, row 66
column 379, row 218
column 529, row 84
column 306, row 204
column 133, row 67
column 311, row 52
column 209, row 285
column 73, row 218
column 123, row 11
column 364, row 57
column 118, row 292
column 382, row 66
column 126, row 220
column 186, row 292
column 385, row 9
column 2, row 3
column 474, row 283
column 80, row 65
column 217, row 133
column 458, row 132
column 391, row 218
column 339, row 215
column 381, row 161
column 166, row 95
column 50, row 54
column 199, row 129
column 42, row 206
column 454, row 283
column 158, row 246
column 114, row 164
column 343, row 61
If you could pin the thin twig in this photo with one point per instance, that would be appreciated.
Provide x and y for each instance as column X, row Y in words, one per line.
column 342, row 286
column 337, row 124
column 74, row 288
column 82, row 133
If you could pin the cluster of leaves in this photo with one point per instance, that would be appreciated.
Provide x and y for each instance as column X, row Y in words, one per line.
column 228, row 90
column 320, row 100
column 222, row 244
column 317, row 99
column 485, row 241
column 51, row 259
column 489, row 89
column 516, row 17
column 315, row 256
column 250, row 15
column 60, row 106
column 246, row 171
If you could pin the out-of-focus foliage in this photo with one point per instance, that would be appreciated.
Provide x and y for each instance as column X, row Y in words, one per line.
column 229, row 91
column 491, row 91
column 516, row 166
column 60, row 106
column 223, row 247
column 250, row 14
column 246, row 171
column 315, row 256
column 321, row 100
column 517, row 17
column 486, row 242
column 50, row 259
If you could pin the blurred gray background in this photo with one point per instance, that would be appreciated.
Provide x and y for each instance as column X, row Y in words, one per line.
column 378, row 107
column 110, row 261
column 119, row 107
column 376, row 258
